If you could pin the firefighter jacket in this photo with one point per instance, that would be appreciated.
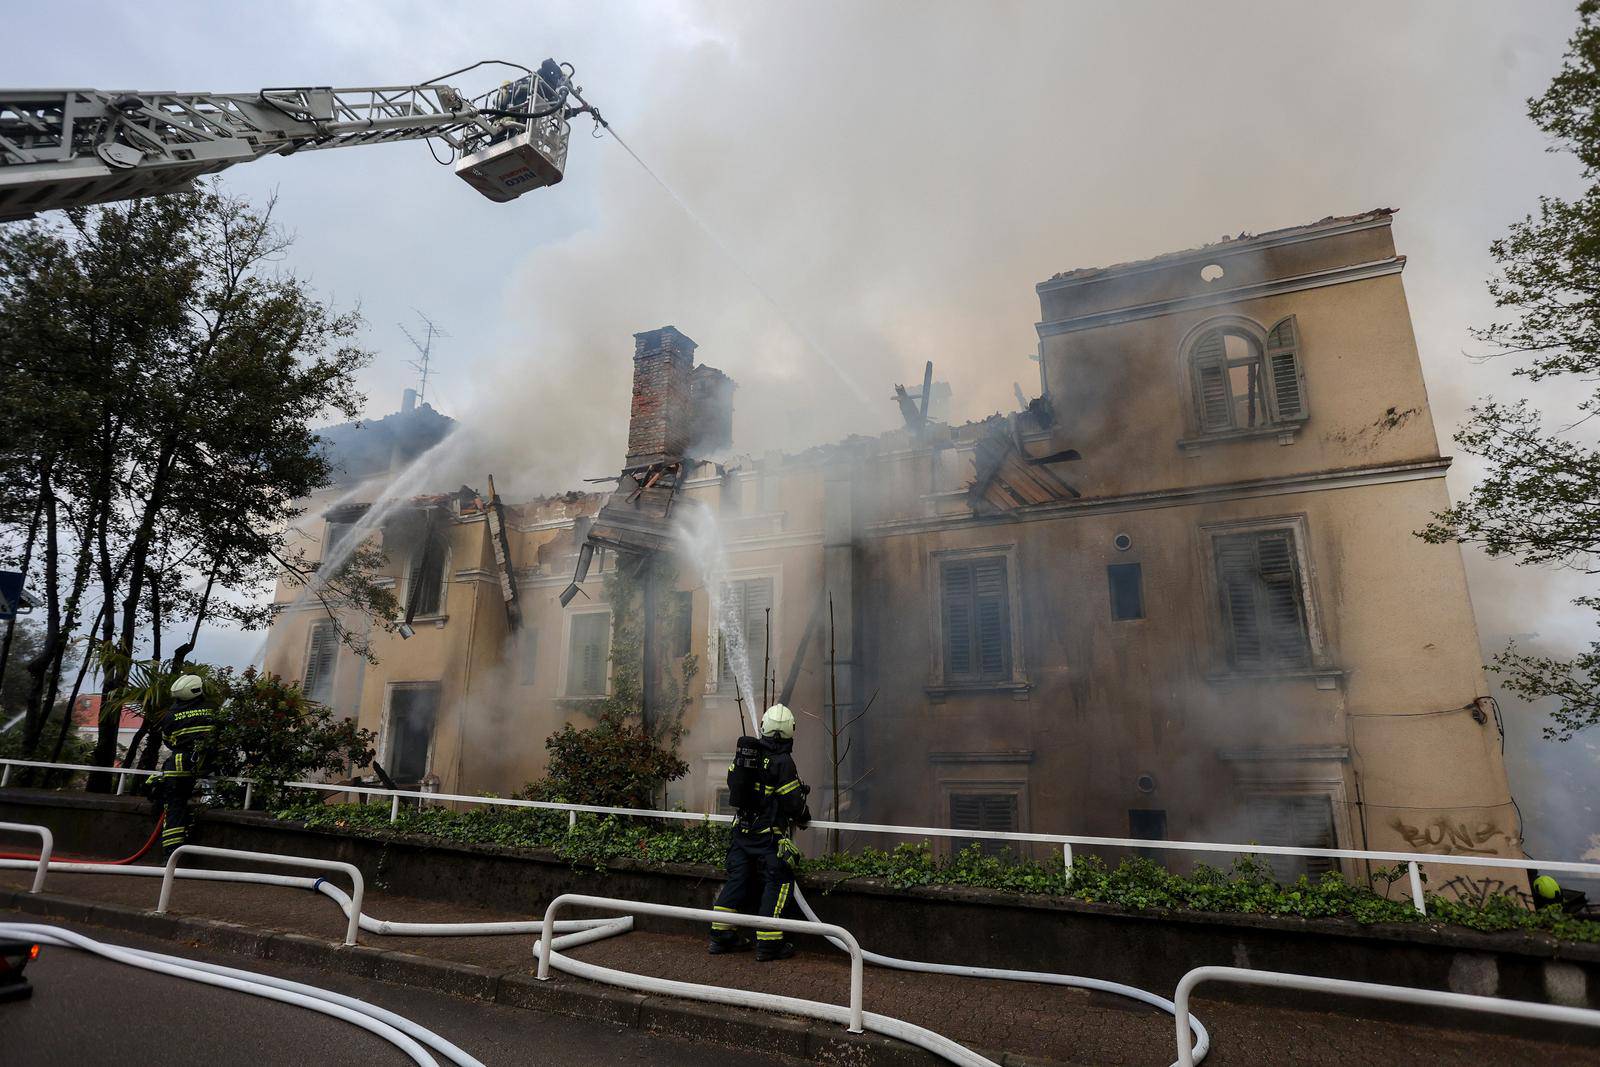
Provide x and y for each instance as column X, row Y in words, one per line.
column 783, row 803
column 191, row 724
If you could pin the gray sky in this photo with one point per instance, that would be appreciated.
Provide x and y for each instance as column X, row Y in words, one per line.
column 897, row 176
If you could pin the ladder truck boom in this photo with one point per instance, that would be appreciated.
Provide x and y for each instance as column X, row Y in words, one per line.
column 64, row 148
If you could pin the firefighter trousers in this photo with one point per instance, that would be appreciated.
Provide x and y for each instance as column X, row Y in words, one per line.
column 177, row 788
column 760, row 880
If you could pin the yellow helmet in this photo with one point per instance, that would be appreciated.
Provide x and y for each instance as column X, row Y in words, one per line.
column 777, row 722
column 1546, row 888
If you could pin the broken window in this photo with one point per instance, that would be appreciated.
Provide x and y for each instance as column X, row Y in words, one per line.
column 1296, row 821
column 750, row 600
column 413, row 709
column 1148, row 824
column 1241, row 386
column 588, row 653
column 527, row 654
column 986, row 812
column 977, row 619
column 425, row 578
column 1263, row 600
column 1127, row 590
column 322, row 649
column 680, row 635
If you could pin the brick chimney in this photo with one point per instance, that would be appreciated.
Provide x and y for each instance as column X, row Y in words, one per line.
column 660, row 423
column 710, row 410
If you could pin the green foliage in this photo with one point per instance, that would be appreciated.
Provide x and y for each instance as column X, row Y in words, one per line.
column 273, row 733
column 74, row 749
column 594, row 841
column 614, row 763
column 1135, row 884
column 1539, row 501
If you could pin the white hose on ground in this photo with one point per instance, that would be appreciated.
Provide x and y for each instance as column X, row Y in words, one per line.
column 583, row 931
column 1202, row 1038
column 241, row 981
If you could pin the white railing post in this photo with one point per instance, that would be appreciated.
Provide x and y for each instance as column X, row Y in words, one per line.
column 249, row 788
column 122, row 782
column 5, row 776
column 1066, row 857
column 572, row 821
column 1416, row 887
column 394, row 809
column 358, row 886
column 47, row 844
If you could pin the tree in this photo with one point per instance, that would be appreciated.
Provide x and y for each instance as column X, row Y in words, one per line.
column 1539, row 503
column 172, row 372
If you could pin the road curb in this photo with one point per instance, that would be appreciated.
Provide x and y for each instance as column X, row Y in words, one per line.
column 738, row 1027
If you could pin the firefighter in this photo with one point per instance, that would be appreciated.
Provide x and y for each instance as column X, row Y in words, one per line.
column 190, row 726
column 770, row 798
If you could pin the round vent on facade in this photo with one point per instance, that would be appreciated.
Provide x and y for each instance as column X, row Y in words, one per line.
column 1123, row 542
column 1146, row 783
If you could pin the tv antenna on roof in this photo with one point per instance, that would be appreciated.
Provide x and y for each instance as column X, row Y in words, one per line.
column 424, row 348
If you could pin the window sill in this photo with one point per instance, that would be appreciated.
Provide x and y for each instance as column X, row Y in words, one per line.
column 436, row 621
column 938, row 692
column 1325, row 677
column 1284, row 431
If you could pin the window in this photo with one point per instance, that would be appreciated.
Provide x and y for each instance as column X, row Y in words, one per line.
column 1244, row 380
column 1263, row 600
column 749, row 600
column 988, row 812
column 1148, row 824
column 1127, row 590
column 527, row 654
column 425, row 577
column 679, row 635
column 724, row 802
column 322, row 650
column 977, row 619
column 333, row 534
column 587, row 654
column 1303, row 821
column 413, row 709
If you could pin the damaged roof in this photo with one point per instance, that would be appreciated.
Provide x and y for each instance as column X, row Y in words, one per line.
column 1227, row 243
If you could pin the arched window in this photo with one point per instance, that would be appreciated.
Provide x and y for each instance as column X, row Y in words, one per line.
column 1241, row 383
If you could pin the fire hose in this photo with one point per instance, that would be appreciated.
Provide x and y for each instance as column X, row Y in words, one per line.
column 577, row 932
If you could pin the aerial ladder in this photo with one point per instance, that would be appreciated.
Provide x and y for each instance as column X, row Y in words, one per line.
column 62, row 148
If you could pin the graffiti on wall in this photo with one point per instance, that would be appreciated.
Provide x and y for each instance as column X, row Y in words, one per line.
column 1456, row 837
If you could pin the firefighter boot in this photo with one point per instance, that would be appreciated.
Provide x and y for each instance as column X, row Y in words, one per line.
column 768, row 951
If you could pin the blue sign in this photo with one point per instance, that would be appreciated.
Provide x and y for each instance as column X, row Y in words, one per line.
column 12, row 599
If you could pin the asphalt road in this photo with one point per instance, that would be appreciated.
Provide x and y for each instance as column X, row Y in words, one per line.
column 88, row 1010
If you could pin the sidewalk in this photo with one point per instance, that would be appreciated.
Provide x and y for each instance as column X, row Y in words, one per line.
column 1031, row 1024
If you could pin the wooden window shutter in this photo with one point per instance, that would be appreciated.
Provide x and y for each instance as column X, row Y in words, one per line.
column 993, row 614
column 985, row 812
column 752, row 597
column 586, row 668
column 1263, row 600
column 958, row 622
column 1209, row 359
column 977, row 620
column 1295, row 822
column 1283, row 606
column 321, row 649
column 1288, row 378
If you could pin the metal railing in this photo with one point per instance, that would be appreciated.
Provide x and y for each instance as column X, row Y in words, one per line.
column 1066, row 842
column 47, row 844
column 358, row 886
column 641, row 907
column 1548, row 1013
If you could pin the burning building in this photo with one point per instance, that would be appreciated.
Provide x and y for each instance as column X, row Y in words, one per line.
column 1175, row 595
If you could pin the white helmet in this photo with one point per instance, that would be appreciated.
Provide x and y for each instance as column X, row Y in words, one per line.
column 778, row 722
column 187, row 687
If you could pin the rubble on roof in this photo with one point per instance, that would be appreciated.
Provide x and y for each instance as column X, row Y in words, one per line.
column 1008, row 477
